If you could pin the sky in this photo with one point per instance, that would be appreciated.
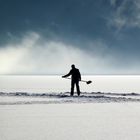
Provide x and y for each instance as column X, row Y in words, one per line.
column 39, row 37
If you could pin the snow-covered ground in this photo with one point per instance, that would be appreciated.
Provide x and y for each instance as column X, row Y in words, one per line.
column 89, row 121
column 38, row 108
column 49, row 84
column 60, row 98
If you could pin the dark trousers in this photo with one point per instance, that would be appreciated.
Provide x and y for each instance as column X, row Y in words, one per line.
column 73, row 83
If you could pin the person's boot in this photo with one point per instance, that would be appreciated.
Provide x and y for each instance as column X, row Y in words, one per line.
column 78, row 93
column 71, row 94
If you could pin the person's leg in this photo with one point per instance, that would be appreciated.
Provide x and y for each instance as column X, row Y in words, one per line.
column 78, row 88
column 72, row 88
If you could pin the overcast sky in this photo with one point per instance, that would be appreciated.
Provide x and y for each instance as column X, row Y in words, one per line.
column 47, row 36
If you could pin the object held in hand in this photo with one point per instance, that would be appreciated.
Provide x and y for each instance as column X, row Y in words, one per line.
column 88, row 82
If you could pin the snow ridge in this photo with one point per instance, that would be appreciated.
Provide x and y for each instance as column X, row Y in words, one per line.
column 19, row 98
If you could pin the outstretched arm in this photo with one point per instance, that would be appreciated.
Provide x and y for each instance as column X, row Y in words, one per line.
column 67, row 75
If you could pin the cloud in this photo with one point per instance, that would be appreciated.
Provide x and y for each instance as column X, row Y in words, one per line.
column 30, row 56
column 13, row 56
column 126, row 14
column 113, row 2
column 35, row 55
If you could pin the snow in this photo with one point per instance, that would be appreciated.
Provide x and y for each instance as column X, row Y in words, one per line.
column 90, row 121
column 38, row 108
column 60, row 98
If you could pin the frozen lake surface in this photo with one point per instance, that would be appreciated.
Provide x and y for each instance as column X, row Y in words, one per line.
column 54, row 89
column 49, row 84
column 98, row 121
column 40, row 108
column 19, row 98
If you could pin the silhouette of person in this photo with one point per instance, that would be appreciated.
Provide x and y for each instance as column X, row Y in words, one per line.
column 75, row 78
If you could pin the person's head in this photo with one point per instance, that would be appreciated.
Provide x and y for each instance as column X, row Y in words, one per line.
column 73, row 66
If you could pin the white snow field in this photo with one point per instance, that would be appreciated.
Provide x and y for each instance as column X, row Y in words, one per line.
column 40, row 108
column 89, row 121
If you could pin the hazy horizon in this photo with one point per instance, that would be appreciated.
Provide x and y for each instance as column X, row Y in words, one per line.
column 47, row 84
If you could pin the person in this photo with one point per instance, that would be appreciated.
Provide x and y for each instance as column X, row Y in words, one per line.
column 75, row 78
